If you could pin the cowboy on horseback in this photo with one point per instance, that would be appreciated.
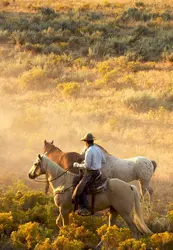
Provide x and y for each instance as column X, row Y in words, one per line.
column 94, row 158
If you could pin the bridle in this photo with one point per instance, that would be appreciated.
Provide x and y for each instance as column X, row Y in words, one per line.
column 48, row 181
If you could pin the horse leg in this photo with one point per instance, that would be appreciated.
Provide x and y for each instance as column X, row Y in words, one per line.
column 150, row 192
column 59, row 220
column 128, row 219
column 63, row 217
column 146, row 187
column 112, row 216
column 66, row 217
column 142, row 189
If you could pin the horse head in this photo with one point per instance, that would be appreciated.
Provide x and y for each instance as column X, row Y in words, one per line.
column 37, row 168
column 49, row 147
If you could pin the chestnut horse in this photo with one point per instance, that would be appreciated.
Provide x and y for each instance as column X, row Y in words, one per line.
column 63, row 159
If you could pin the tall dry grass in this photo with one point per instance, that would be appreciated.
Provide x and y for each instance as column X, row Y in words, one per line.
column 126, row 105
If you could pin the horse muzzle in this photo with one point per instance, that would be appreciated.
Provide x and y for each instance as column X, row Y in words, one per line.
column 31, row 176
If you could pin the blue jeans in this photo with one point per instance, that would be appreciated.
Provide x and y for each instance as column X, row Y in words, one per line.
column 87, row 180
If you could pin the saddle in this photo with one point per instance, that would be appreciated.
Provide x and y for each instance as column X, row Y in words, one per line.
column 97, row 186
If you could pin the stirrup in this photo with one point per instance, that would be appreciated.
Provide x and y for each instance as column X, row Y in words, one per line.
column 84, row 212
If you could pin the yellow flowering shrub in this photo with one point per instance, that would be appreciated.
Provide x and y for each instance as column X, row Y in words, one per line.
column 112, row 236
column 33, row 79
column 79, row 233
column 6, row 223
column 28, row 235
column 162, row 241
column 64, row 243
column 45, row 245
column 71, row 89
column 92, row 223
column 170, row 221
column 132, row 244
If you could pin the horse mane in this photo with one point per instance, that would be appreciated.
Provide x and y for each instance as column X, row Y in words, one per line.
column 103, row 149
column 53, row 147
column 56, row 148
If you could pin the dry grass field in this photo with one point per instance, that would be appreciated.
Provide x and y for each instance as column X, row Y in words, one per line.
column 104, row 67
column 68, row 68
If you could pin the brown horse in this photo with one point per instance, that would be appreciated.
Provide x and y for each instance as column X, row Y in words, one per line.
column 63, row 159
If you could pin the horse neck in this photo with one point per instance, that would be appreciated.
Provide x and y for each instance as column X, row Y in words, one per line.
column 51, row 149
column 57, row 157
column 104, row 150
column 57, row 149
column 59, row 176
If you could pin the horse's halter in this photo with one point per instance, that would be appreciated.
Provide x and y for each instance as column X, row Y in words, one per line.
column 37, row 166
column 45, row 172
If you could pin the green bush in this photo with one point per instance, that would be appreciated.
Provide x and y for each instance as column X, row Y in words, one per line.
column 26, row 205
column 6, row 244
column 170, row 221
column 96, row 33
column 4, row 35
column 47, row 11
column 140, row 4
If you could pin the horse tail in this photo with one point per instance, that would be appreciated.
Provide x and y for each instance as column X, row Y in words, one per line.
column 138, row 216
column 154, row 165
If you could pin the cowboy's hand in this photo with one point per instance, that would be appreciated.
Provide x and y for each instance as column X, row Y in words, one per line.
column 76, row 165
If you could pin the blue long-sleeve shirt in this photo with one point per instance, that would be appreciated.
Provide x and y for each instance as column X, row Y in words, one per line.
column 94, row 157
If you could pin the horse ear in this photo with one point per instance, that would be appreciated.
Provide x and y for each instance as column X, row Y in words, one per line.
column 52, row 142
column 39, row 156
column 45, row 141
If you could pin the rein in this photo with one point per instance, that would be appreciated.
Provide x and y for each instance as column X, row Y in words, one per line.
column 62, row 191
column 53, row 178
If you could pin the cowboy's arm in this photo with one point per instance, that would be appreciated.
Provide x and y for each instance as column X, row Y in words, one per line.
column 79, row 165
column 88, row 159
column 87, row 162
